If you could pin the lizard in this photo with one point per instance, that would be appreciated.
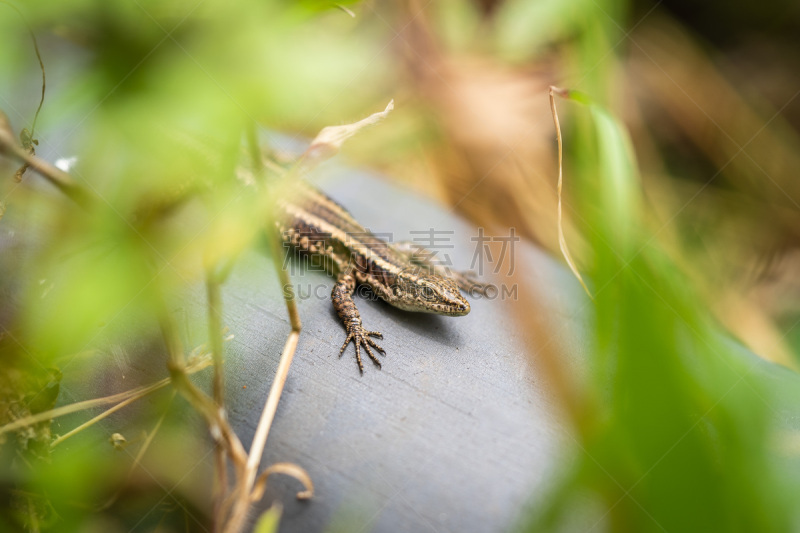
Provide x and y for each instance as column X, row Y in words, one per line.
column 402, row 274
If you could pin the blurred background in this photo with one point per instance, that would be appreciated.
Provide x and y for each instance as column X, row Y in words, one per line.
column 681, row 208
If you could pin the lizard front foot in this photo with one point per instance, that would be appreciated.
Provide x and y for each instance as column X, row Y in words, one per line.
column 361, row 337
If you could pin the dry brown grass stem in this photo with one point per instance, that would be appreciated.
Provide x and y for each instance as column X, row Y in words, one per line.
column 121, row 399
column 562, row 242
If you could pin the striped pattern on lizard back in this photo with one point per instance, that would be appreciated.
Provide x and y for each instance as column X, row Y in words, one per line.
column 311, row 223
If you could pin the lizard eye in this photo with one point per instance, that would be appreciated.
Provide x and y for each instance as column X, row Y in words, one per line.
column 427, row 293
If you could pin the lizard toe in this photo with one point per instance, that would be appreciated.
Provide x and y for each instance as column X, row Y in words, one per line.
column 372, row 355
column 376, row 346
column 350, row 337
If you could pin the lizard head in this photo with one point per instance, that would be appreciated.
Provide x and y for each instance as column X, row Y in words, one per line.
column 420, row 291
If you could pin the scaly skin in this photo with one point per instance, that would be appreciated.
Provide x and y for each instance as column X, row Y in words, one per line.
column 312, row 223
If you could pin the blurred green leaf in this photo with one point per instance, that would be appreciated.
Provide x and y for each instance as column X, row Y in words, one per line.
column 680, row 443
column 269, row 520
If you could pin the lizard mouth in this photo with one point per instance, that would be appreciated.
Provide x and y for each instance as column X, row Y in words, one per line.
column 458, row 309
column 445, row 309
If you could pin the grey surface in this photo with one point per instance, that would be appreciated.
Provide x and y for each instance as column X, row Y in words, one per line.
column 455, row 433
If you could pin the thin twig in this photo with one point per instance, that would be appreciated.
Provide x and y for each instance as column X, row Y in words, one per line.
column 136, row 393
column 271, row 406
column 132, row 394
column 151, row 435
column 139, row 454
column 96, row 419
column 289, row 469
column 28, row 137
column 215, row 339
column 215, row 335
column 256, row 159
column 220, row 484
column 217, row 423
column 38, row 56
column 243, row 495
column 60, row 179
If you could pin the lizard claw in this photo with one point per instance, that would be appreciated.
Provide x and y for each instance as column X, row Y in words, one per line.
column 361, row 337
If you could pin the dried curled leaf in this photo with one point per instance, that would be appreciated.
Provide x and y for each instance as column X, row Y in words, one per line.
column 21, row 171
column 289, row 469
column 330, row 139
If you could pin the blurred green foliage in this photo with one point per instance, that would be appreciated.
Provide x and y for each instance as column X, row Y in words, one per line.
column 164, row 75
column 156, row 103
column 677, row 427
column 268, row 521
